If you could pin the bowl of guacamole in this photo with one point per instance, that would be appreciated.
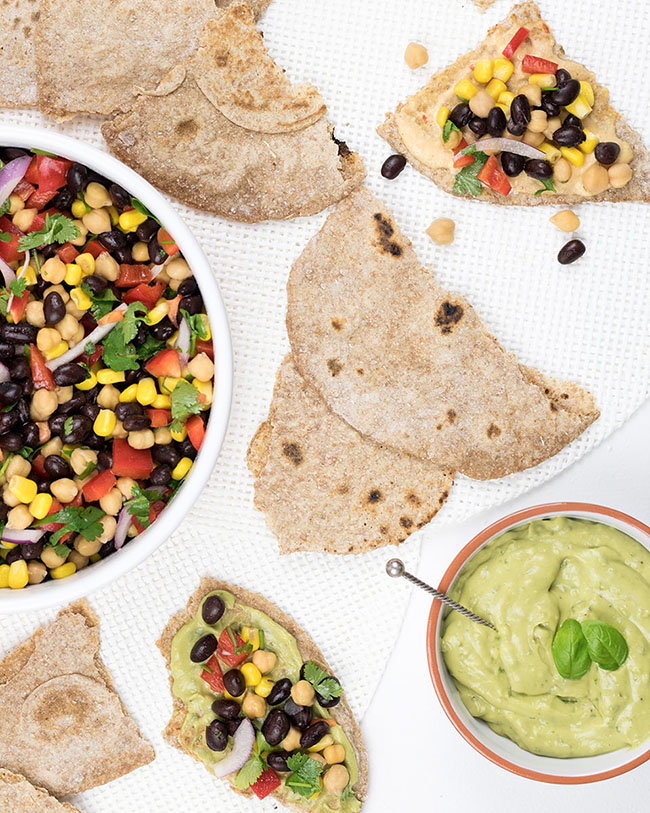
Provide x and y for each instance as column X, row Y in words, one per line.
column 560, row 692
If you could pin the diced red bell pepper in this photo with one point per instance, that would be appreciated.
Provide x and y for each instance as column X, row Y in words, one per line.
column 54, row 508
column 154, row 511
column 266, row 784
column 24, row 189
column 172, row 313
column 160, row 417
column 536, row 64
column 9, row 251
column 130, row 462
column 515, row 42
column 41, row 374
column 205, row 346
column 18, row 305
column 95, row 356
column 77, row 500
column 195, row 430
column 67, row 253
column 94, row 247
column 32, row 172
column 213, row 675
column 99, row 486
column 493, row 176
column 40, row 198
column 147, row 294
column 226, row 648
column 52, row 172
column 165, row 363
column 38, row 469
column 37, row 223
column 461, row 160
column 132, row 275
column 167, row 242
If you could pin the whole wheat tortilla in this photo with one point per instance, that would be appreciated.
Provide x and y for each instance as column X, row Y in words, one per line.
column 236, row 73
column 323, row 487
column 527, row 14
column 308, row 650
column 17, row 795
column 61, row 724
column 258, row 6
column 18, row 19
column 412, row 365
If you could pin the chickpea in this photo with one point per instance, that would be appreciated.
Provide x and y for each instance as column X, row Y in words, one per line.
column 16, row 203
column 334, row 754
column 79, row 560
column 34, row 314
column 80, row 458
column 265, row 661
column 202, row 367
column 107, row 267
column 44, row 433
column 18, row 466
column 59, row 289
column 552, row 125
column 19, row 518
column 538, row 121
column 50, row 558
column 83, row 234
column 97, row 221
column 533, row 93
column 79, row 334
column 335, row 779
column 292, row 741
column 120, row 431
column 481, row 103
column 174, row 284
column 53, row 270
column 562, row 170
column 534, row 139
column 125, row 485
column 318, row 757
column 626, row 154
column 162, row 436
column 254, row 706
column 86, row 547
column 566, row 220
column 9, row 498
column 111, row 503
column 67, row 327
column 54, row 445
column 64, row 489
column 132, row 532
column 441, row 231
column 619, row 175
column 36, row 571
column 108, row 397
column 140, row 252
column 141, row 439
column 416, row 55
column 595, row 179
column 24, row 218
column 178, row 269
column 109, row 524
column 47, row 339
column 96, row 196
column 44, row 403
column 64, row 394
column 303, row 693
column 73, row 310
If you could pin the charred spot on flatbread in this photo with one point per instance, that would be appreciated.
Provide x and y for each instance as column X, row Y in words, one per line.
column 334, row 366
column 451, row 415
column 187, row 127
column 337, row 324
column 448, row 316
column 374, row 495
column 493, row 431
column 406, row 522
column 385, row 230
column 293, row 452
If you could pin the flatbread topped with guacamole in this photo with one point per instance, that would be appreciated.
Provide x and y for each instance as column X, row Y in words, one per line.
column 255, row 702
column 516, row 122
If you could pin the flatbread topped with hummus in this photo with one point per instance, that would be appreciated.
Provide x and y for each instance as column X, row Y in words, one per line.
column 17, row 795
column 256, row 703
column 411, row 365
column 324, row 487
column 516, row 122
column 61, row 724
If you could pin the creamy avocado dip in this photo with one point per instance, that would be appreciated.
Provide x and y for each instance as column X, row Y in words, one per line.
column 528, row 581
column 198, row 697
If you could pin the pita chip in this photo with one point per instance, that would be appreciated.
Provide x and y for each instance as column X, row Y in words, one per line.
column 17, row 795
column 18, row 19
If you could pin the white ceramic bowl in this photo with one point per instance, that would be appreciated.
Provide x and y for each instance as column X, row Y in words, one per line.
column 501, row 750
column 136, row 551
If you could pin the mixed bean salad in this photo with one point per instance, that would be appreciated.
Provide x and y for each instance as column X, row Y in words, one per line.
column 106, row 367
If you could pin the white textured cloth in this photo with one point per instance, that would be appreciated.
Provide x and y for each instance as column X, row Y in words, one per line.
column 588, row 322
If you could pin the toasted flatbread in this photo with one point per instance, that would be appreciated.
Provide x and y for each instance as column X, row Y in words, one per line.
column 18, row 20
column 62, row 725
column 236, row 73
column 309, row 651
column 258, row 6
column 411, row 365
column 435, row 93
column 483, row 5
column 17, row 795
column 324, row 487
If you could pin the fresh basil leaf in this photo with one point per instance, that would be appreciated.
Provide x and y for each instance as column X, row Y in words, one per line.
column 466, row 181
column 446, row 130
column 605, row 644
column 570, row 651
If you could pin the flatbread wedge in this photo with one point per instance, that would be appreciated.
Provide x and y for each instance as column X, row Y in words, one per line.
column 323, row 487
column 18, row 20
column 62, row 726
column 411, row 365
column 184, row 739
column 483, row 5
column 17, row 795
column 413, row 129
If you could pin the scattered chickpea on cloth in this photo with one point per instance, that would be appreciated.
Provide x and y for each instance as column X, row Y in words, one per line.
column 416, row 55
column 441, row 231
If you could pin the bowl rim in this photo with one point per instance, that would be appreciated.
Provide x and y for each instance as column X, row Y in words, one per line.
column 100, row 574
column 435, row 616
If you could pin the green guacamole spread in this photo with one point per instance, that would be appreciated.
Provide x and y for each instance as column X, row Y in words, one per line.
column 527, row 582
column 197, row 696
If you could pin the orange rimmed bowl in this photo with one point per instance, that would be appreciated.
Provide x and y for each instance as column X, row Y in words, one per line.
column 501, row 750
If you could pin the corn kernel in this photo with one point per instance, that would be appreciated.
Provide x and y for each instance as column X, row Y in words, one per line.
column 506, row 110
column 205, row 388
column 78, row 209
column 251, row 673
column 206, row 326
column 506, row 99
column 495, row 88
column 4, row 576
column 95, row 558
column 182, row 467
column 129, row 221
column 573, row 155
column 80, row 299
column 115, row 215
column 72, row 274
column 104, row 423
column 552, row 153
column 442, row 115
column 251, row 635
column 483, row 70
column 59, row 350
column 108, row 376
column 590, row 142
column 587, row 92
column 88, row 384
column 9, row 545
column 168, row 384
column 128, row 395
column 23, row 488
column 322, row 744
column 544, row 80
column 502, row 69
column 66, row 569
column 179, row 436
column 40, row 505
column 146, row 391
column 263, row 688
column 86, row 262
column 171, row 341
column 580, row 107
column 229, row 696
column 29, row 276
column 162, row 402
column 465, row 90
column 157, row 314
column 18, row 574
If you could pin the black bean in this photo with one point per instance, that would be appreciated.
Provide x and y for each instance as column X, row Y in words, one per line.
column 572, row 121
column 131, row 238
column 43, row 485
column 392, row 166
column 63, row 199
column 81, row 426
column 276, row 727
column 9, row 153
column 461, row 115
column 234, row 682
column 31, row 550
column 188, row 286
column 496, row 122
column 538, row 168
column 107, row 549
column 7, row 352
column 112, row 239
column 567, row 93
column 187, row 449
column 512, row 163
column 233, row 725
column 77, row 177
column 19, row 368
column 56, row 466
column 163, row 331
column 216, row 736
column 520, row 109
column 12, row 442
column 478, row 126
column 203, row 648
column 140, row 336
column 301, row 716
column 277, row 760
column 7, row 420
column 550, row 107
column 280, row 692
column 31, row 434
column 14, row 555
column 568, row 136
column 157, row 253
column 123, row 255
column 562, row 76
column 4, row 511
column 133, row 376
column 516, row 128
column 165, row 454
column 192, row 304
column 90, row 411
column 68, row 374
column 73, row 404
column 161, row 475
column 119, row 196
column 123, row 410
column 314, row 734
column 22, row 333
column 95, row 284
column 47, row 252
column 226, row 709
column 146, row 229
column 104, row 460
column 212, row 610
column 607, row 152
column 23, row 410
column 10, row 392
column 135, row 423
column 95, row 441
column 569, row 253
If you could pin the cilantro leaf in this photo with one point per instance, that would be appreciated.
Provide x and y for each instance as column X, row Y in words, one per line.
column 102, row 302
column 446, row 130
column 118, row 353
column 43, row 152
column 197, row 329
column 90, row 468
column 250, row 773
column 139, row 206
column 547, row 186
column 305, row 779
column 17, row 288
column 57, row 229
column 85, row 521
column 68, row 425
column 4, row 207
column 326, row 686
column 185, row 402
column 150, row 347
column 5, row 237
column 261, row 745
column 466, row 181
column 60, row 550
column 138, row 505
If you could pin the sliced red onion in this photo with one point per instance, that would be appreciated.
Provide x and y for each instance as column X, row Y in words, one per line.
column 25, row 537
column 94, row 336
column 183, row 342
column 20, row 273
column 242, row 747
column 509, row 145
column 7, row 272
column 4, row 373
column 11, row 174
column 122, row 527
